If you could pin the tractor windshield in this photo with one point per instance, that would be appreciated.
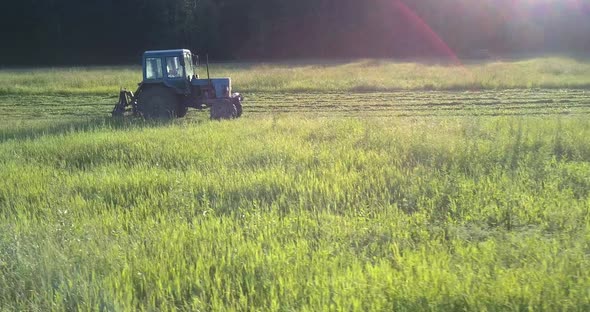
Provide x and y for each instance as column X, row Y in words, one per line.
column 153, row 68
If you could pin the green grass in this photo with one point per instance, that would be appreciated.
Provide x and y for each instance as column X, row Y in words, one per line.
column 362, row 75
column 23, row 110
column 407, row 200
column 298, row 214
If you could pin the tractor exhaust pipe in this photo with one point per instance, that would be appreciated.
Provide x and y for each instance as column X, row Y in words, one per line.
column 208, row 77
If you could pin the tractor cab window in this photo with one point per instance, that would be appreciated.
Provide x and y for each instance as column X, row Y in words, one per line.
column 188, row 63
column 174, row 67
column 153, row 68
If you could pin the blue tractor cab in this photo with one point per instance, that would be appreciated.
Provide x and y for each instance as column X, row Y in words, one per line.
column 171, row 85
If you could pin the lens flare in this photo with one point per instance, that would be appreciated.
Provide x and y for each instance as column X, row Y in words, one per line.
column 425, row 30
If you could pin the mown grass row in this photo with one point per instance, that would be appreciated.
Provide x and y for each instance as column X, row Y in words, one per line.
column 24, row 112
column 278, row 214
column 353, row 76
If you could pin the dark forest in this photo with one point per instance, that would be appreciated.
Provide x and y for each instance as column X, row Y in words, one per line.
column 66, row 32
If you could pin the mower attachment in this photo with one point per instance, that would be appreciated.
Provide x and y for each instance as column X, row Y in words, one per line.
column 126, row 98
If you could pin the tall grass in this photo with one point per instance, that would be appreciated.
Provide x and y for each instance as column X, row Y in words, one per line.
column 361, row 75
column 277, row 214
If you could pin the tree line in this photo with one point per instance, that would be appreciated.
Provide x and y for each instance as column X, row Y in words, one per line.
column 117, row 31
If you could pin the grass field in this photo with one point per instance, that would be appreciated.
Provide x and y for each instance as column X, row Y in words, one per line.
column 354, row 76
column 424, row 194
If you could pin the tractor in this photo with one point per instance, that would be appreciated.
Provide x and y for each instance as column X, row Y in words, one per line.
column 171, row 85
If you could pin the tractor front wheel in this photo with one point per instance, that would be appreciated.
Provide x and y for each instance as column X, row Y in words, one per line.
column 223, row 110
column 159, row 102
column 238, row 105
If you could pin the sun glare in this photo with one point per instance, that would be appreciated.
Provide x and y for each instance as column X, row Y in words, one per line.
column 569, row 4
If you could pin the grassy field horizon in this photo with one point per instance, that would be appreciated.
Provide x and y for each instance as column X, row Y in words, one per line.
column 369, row 186
column 368, row 75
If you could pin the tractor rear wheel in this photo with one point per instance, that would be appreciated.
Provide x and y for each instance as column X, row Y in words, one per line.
column 223, row 110
column 158, row 102
column 181, row 110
